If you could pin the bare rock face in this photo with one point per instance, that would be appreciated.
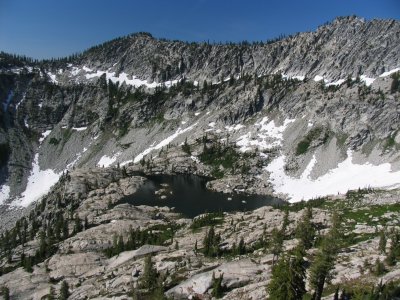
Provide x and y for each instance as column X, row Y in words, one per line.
column 235, row 274
column 333, row 50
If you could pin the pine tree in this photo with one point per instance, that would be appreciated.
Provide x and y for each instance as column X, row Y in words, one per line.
column 64, row 291
column 5, row 292
column 278, row 286
column 276, row 243
column 285, row 222
column 241, row 247
column 305, row 231
column 379, row 268
column 288, row 277
column 382, row 241
column 320, row 271
column 217, row 287
column 52, row 294
column 149, row 277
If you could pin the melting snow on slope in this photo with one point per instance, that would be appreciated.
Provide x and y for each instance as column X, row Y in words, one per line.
column 39, row 183
column 389, row 72
column 52, row 77
column 161, row 144
column 44, row 135
column 298, row 77
column 346, row 176
column 336, row 83
column 367, row 80
column 79, row 128
column 234, row 127
column 4, row 193
column 107, row 161
column 318, row 78
column 271, row 136
column 123, row 77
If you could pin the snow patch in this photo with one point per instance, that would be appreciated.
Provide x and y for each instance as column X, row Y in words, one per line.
column 79, row 128
column 106, row 161
column 4, row 193
column 124, row 77
column 44, row 136
column 195, row 159
column 269, row 136
column 298, row 77
column 234, row 127
column 336, row 83
column 346, row 176
column 39, row 184
column 52, row 77
column 318, row 78
column 384, row 74
column 161, row 144
column 87, row 69
column 367, row 80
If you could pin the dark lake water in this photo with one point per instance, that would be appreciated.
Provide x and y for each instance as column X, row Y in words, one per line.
column 190, row 197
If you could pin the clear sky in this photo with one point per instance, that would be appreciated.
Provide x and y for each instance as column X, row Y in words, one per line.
column 54, row 28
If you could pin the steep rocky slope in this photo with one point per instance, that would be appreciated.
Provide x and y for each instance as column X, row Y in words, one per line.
column 309, row 106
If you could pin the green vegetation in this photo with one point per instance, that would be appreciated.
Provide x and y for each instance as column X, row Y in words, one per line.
column 64, row 291
column 155, row 235
column 211, row 243
column 395, row 86
column 221, row 157
column 54, row 141
column 5, row 292
column 288, row 277
column 313, row 134
column 217, row 287
column 305, row 230
column 389, row 143
column 324, row 262
column 210, row 219
column 186, row 147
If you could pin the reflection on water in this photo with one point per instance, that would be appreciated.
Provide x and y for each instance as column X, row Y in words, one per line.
column 189, row 196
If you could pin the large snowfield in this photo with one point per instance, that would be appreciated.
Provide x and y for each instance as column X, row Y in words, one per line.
column 347, row 176
column 39, row 184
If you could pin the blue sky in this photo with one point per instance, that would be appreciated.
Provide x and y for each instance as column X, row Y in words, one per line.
column 54, row 28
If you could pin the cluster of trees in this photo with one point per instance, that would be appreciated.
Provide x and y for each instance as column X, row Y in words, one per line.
column 49, row 226
column 225, row 155
column 209, row 219
column 151, row 284
column 156, row 235
column 289, row 273
column 381, row 291
column 211, row 243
